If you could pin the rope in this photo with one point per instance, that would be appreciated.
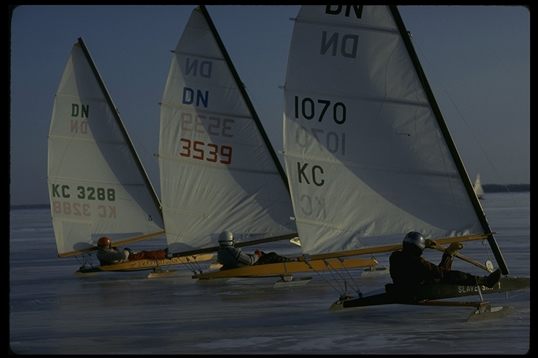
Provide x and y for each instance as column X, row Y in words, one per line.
column 488, row 253
column 341, row 282
column 85, row 261
column 195, row 266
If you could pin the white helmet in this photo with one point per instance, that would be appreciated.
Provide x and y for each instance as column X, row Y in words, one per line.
column 226, row 238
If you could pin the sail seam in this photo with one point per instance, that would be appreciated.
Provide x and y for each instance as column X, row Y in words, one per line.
column 198, row 111
column 298, row 89
column 347, row 25
column 182, row 53
column 371, row 167
column 214, row 166
column 75, row 180
column 81, row 99
column 80, row 139
column 189, row 213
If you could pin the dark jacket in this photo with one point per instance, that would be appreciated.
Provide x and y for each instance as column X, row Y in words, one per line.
column 231, row 257
column 407, row 268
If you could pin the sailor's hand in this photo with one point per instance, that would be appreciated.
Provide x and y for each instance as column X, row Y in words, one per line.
column 453, row 248
column 430, row 243
column 258, row 252
column 128, row 249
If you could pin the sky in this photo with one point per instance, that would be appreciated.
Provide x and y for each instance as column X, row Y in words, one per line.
column 477, row 59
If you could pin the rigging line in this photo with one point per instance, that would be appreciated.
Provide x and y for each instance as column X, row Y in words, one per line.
column 197, row 265
column 149, row 162
column 341, row 287
column 141, row 144
column 83, row 262
column 194, row 266
column 440, row 140
column 189, row 266
column 267, row 122
column 415, row 43
column 347, row 271
column 195, row 269
column 329, row 282
column 488, row 253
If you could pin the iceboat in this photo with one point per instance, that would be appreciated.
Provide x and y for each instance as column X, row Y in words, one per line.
column 367, row 152
column 97, row 183
column 478, row 187
column 218, row 169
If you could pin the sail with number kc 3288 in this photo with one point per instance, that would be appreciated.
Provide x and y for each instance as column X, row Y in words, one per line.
column 97, row 184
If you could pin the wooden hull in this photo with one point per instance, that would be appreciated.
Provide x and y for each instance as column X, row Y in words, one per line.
column 148, row 264
column 433, row 292
column 286, row 268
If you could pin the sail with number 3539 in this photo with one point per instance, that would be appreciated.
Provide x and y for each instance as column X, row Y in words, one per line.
column 218, row 170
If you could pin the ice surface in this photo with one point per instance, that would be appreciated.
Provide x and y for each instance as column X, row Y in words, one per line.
column 52, row 312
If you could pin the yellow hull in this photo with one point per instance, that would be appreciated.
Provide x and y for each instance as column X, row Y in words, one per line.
column 150, row 264
column 285, row 268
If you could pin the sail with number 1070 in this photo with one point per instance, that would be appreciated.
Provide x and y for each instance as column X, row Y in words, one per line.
column 368, row 155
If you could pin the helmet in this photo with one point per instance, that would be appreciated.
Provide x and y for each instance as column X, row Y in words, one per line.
column 226, row 237
column 415, row 238
column 104, row 242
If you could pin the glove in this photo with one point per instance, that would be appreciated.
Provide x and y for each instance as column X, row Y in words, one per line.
column 453, row 248
column 128, row 249
column 430, row 243
column 259, row 253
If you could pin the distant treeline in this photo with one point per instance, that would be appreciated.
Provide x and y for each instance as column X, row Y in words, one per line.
column 497, row 188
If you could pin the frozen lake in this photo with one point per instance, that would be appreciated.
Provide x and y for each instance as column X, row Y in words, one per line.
column 53, row 312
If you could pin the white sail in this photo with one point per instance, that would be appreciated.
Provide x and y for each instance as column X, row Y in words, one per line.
column 217, row 169
column 97, row 185
column 366, row 157
column 478, row 187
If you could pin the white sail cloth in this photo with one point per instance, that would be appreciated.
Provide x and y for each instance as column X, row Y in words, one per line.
column 97, row 185
column 366, row 158
column 216, row 169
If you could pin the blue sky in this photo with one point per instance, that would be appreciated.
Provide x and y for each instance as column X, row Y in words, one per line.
column 477, row 59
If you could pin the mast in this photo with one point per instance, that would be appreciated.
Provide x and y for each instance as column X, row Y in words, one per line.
column 450, row 142
column 245, row 97
column 121, row 126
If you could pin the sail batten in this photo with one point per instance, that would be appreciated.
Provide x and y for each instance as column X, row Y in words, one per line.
column 386, row 100
column 204, row 112
column 326, row 23
column 373, row 167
